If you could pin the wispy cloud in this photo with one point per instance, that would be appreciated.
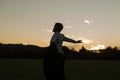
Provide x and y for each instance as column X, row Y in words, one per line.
column 68, row 27
column 49, row 30
column 87, row 41
column 88, row 21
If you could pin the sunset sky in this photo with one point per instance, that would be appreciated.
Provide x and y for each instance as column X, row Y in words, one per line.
column 96, row 22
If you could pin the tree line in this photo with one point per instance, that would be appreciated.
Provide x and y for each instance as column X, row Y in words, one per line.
column 15, row 51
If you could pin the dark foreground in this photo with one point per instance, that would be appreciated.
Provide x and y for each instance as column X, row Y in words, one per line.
column 32, row 69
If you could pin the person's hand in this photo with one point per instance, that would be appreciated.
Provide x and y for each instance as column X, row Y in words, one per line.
column 79, row 41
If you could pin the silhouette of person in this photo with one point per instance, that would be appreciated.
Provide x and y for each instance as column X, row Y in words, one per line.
column 53, row 64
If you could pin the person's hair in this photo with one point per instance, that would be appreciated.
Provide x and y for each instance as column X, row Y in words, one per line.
column 57, row 27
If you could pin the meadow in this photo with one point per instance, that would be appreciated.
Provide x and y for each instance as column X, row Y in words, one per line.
column 32, row 69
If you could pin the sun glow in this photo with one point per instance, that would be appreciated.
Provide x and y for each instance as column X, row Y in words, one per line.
column 97, row 47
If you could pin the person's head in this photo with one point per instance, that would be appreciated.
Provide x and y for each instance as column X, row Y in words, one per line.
column 58, row 27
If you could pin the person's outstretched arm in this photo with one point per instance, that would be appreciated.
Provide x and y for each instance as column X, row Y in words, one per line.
column 71, row 40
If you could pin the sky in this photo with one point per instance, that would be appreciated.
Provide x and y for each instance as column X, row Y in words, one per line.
column 96, row 22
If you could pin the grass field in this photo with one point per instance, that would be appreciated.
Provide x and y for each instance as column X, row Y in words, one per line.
column 31, row 69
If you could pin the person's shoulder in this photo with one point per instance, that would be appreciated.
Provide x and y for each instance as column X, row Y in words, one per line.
column 59, row 34
column 62, row 35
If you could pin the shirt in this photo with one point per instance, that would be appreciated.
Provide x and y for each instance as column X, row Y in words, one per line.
column 58, row 39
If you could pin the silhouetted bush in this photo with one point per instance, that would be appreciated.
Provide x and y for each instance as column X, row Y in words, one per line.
column 36, row 52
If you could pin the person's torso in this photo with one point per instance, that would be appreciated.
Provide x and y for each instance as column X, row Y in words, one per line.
column 58, row 38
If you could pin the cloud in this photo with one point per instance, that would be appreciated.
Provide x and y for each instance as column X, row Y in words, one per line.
column 88, row 21
column 97, row 47
column 68, row 27
column 49, row 30
column 87, row 41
